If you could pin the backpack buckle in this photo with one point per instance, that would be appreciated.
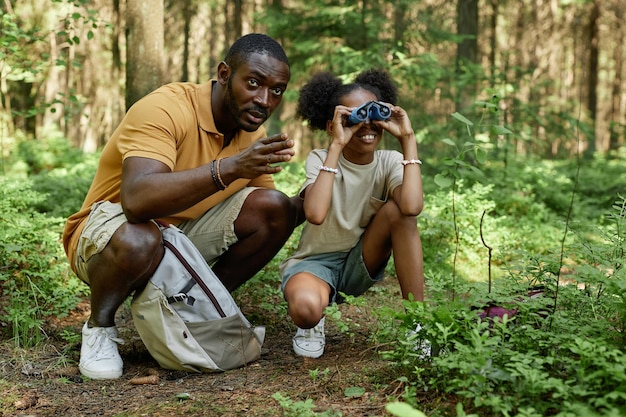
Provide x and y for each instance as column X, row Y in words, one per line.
column 176, row 298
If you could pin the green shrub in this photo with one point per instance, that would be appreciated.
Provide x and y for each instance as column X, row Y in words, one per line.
column 51, row 150
column 559, row 354
column 36, row 281
column 64, row 189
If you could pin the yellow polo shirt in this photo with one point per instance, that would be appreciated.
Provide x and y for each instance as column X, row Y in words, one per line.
column 174, row 125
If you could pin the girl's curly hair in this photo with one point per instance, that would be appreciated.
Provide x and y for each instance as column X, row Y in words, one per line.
column 320, row 96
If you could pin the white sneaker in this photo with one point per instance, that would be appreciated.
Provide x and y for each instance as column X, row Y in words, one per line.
column 99, row 357
column 310, row 342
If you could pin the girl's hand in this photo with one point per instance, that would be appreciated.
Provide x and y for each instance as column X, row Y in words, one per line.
column 337, row 129
column 399, row 124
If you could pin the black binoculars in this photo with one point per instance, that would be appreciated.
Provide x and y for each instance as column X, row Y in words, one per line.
column 372, row 110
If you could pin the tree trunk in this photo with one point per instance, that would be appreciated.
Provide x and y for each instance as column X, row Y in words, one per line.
column 493, row 38
column 400, row 24
column 212, row 41
column 229, row 30
column 616, row 90
column 467, row 50
column 187, row 15
column 115, row 37
column 144, row 48
column 592, row 74
column 237, row 18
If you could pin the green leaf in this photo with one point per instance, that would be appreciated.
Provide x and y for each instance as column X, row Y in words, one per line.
column 443, row 181
column 481, row 156
column 354, row 391
column 458, row 116
column 476, row 170
column 403, row 410
column 500, row 130
column 448, row 141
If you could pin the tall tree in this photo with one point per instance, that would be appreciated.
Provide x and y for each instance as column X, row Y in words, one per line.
column 144, row 48
column 238, row 14
column 493, row 38
column 592, row 76
column 467, row 50
column 187, row 15
column 212, row 39
column 616, row 113
column 115, row 37
column 399, row 19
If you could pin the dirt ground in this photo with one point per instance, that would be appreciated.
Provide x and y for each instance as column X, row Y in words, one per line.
column 46, row 382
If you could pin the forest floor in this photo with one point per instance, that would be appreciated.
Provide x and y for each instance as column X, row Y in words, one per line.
column 45, row 381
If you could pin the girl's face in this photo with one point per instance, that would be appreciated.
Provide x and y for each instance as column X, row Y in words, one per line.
column 364, row 141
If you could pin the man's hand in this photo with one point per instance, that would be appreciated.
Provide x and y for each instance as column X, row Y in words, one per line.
column 258, row 158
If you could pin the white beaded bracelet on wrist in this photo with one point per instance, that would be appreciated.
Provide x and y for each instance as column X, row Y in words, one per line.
column 411, row 162
column 329, row 169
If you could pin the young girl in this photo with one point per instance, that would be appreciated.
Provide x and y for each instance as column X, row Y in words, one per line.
column 361, row 204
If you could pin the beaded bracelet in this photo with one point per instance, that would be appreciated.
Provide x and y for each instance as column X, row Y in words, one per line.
column 214, row 175
column 411, row 162
column 329, row 169
column 219, row 177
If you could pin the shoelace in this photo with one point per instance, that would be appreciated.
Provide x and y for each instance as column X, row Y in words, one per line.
column 314, row 332
column 106, row 349
column 317, row 331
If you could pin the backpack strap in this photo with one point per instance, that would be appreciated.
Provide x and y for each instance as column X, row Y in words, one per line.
column 182, row 294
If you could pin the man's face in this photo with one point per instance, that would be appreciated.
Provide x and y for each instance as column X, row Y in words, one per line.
column 255, row 89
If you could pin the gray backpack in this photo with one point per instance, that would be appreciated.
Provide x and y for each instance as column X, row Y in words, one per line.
column 187, row 318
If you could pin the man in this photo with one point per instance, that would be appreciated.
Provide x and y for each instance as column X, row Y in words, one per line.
column 195, row 156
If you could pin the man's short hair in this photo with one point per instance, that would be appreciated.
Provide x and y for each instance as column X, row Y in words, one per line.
column 254, row 43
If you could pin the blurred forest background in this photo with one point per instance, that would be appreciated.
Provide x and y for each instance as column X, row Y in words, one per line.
column 551, row 70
